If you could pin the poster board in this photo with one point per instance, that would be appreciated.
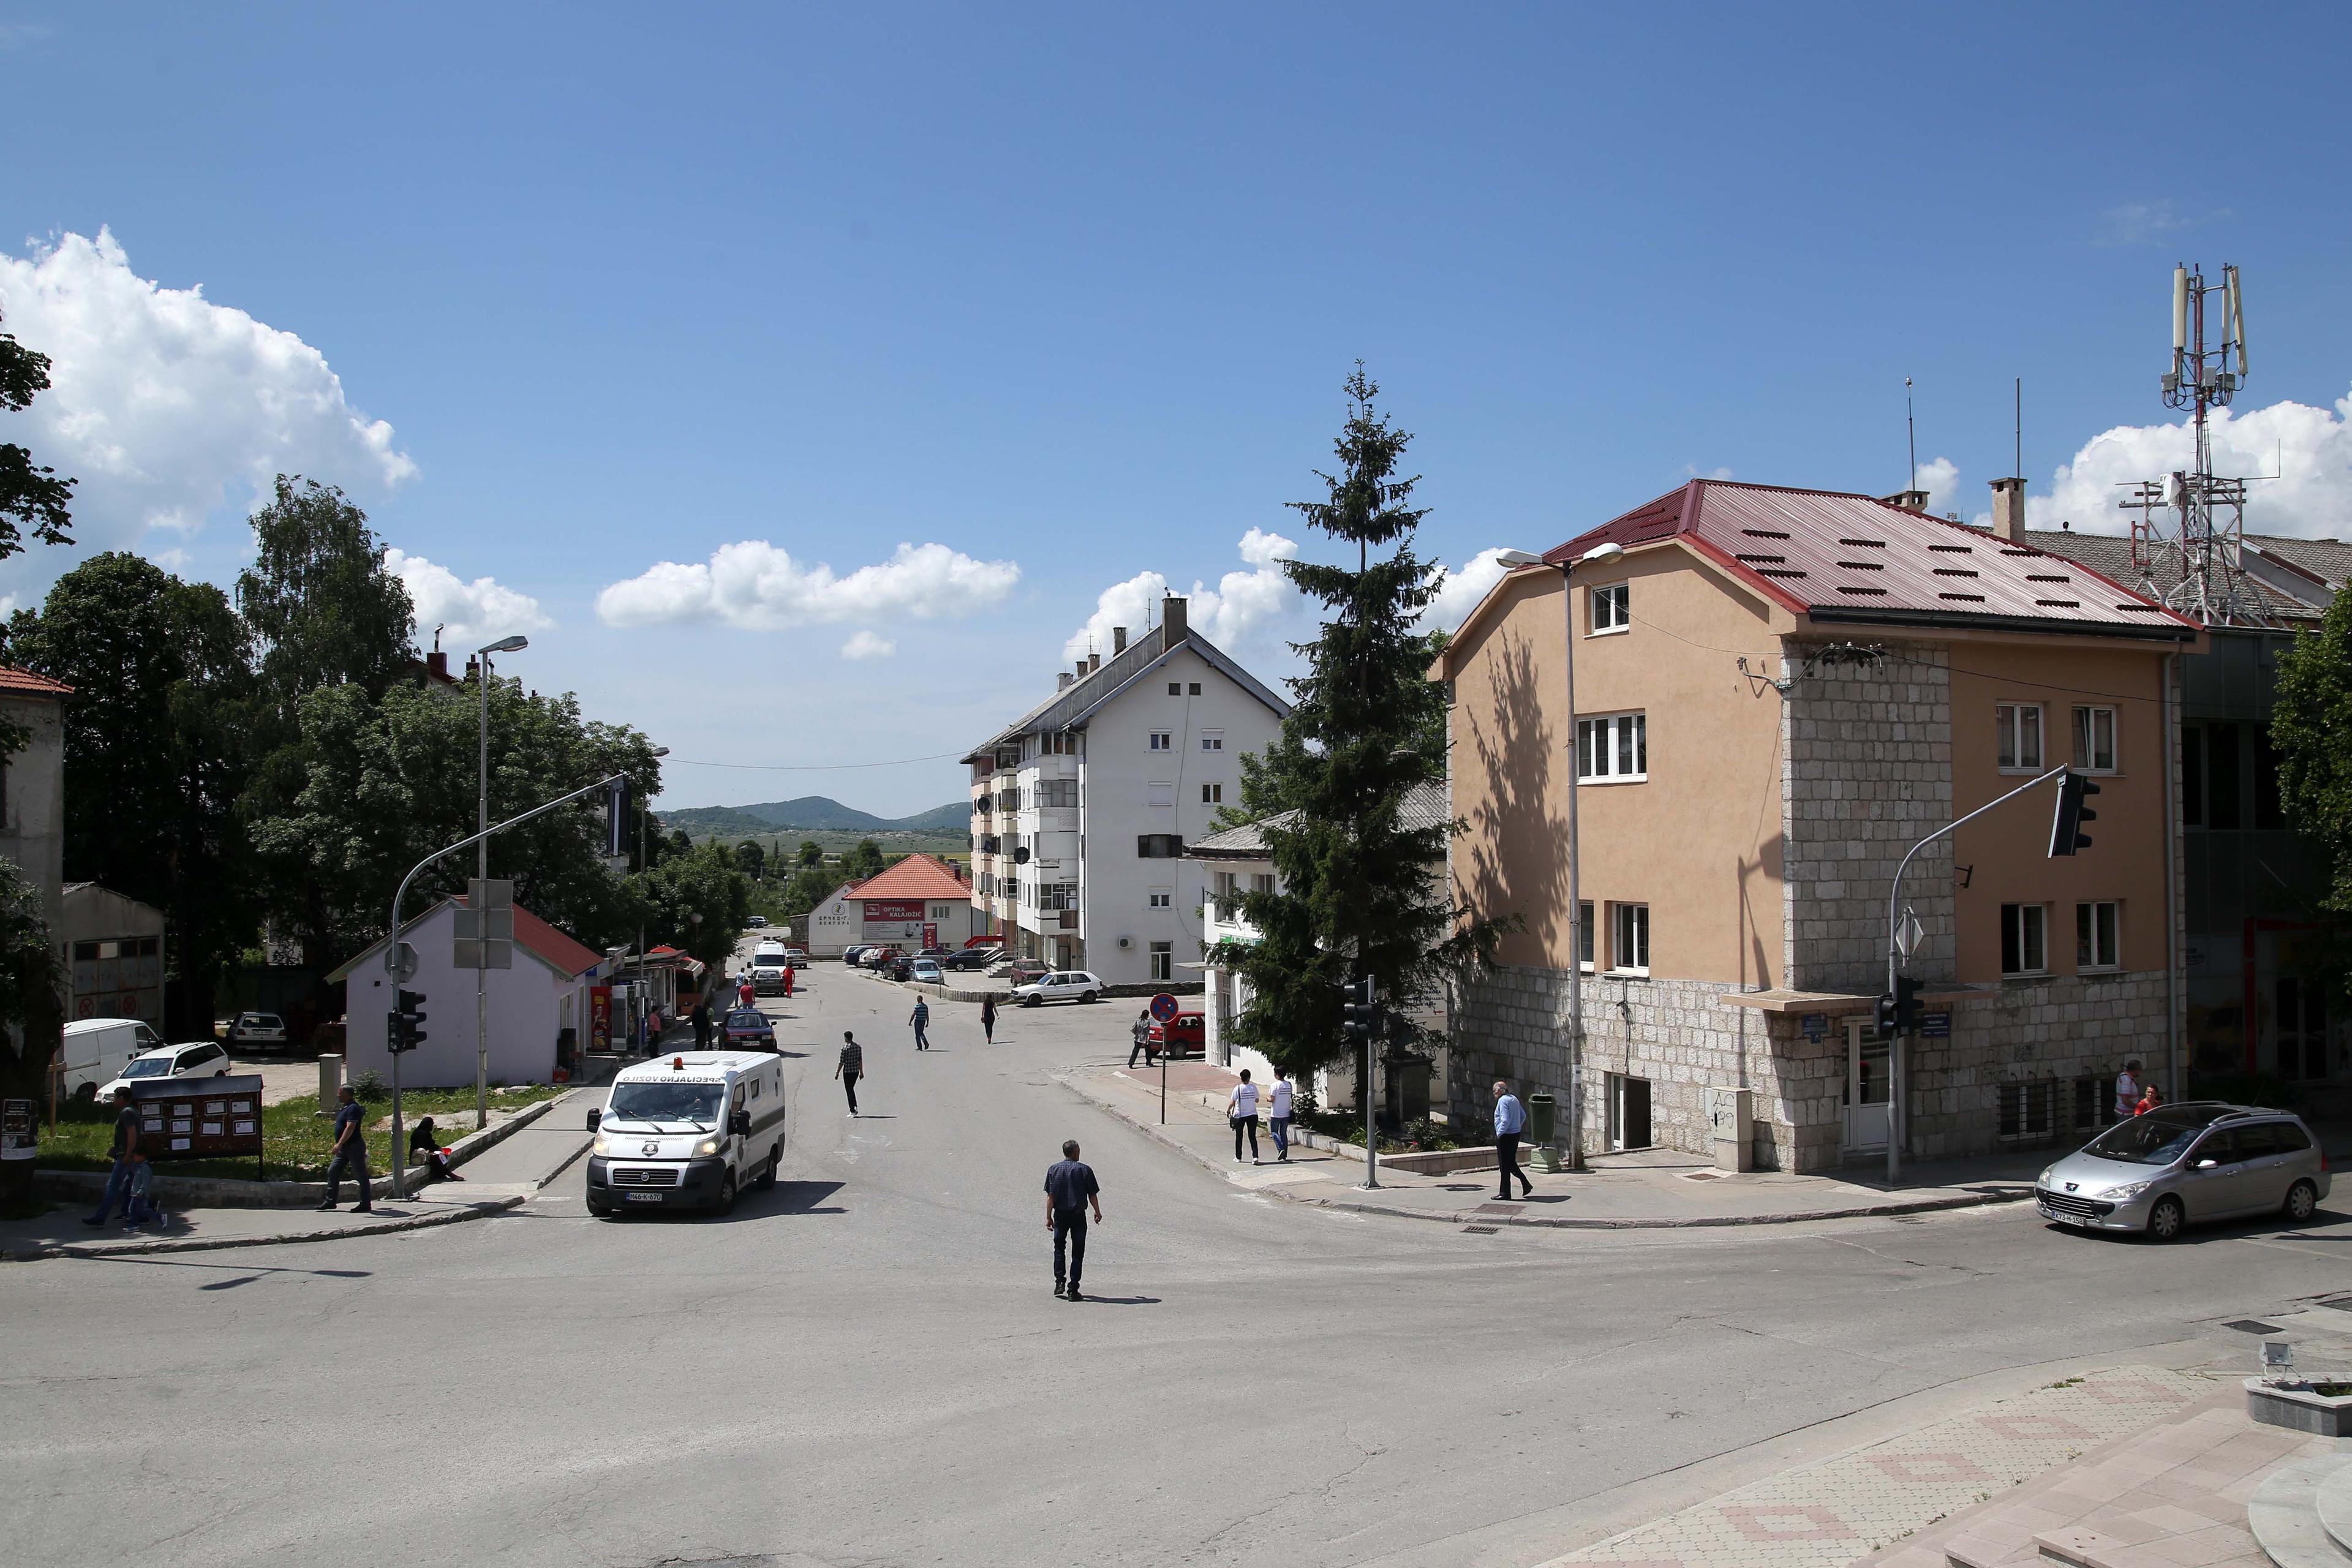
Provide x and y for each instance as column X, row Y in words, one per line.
column 199, row 1118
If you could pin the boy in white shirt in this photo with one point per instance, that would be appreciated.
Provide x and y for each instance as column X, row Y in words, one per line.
column 1278, row 1118
column 1241, row 1110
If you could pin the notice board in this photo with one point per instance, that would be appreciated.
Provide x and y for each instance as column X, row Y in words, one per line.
column 199, row 1118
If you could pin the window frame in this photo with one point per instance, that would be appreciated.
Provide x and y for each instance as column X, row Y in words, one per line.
column 1159, row 899
column 1619, row 598
column 2009, row 737
column 1213, row 740
column 1213, row 794
column 1615, row 726
column 1588, row 937
column 1162, row 955
column 2015, row 922
column 1161, row 741
column 2087, row 926
column 2084, row 726
column 1629, row 926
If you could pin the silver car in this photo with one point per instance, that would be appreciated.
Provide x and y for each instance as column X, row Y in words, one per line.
column 2178, row 1164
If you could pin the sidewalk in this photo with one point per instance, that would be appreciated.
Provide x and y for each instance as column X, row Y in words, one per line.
column 1647, row 1189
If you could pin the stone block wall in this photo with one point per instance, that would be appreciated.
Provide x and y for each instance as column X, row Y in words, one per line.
column 1865, row 773
column 2061, row 1029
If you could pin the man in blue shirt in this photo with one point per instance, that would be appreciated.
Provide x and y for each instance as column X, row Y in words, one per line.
column 1069, row 1187
column 351, row 1152
column 1510, row 1120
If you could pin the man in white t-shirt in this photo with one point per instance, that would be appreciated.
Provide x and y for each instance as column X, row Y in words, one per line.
column 1277, row 1115
column 1241, row 1110
column 2127, row 1092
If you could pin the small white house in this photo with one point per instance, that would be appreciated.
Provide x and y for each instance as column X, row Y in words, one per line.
column 545, row 992
column 838, row 921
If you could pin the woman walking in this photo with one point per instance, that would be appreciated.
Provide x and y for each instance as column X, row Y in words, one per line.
column 1241, row 1110
column 988, row 1017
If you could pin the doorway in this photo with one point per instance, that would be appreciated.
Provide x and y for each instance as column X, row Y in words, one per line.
column 1629, row 1112
column 1866, row 1097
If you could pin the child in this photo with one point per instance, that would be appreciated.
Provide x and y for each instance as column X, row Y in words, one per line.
column 2148, row 1101
column 141, row 1208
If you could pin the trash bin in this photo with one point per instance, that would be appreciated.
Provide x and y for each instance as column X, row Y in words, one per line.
column 1543, row 1118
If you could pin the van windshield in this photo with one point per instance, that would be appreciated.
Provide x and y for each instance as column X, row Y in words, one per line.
column 694, row 1102
column 2155, row 1139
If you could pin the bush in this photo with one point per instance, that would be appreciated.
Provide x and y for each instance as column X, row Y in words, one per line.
column 368, row 1088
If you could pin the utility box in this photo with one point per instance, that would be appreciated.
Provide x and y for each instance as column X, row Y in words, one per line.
column 1731, row 1118
column 1543, row 1119
column 330, row 1082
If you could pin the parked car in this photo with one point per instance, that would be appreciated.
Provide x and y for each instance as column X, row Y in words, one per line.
column 1059, row 986
column 878, row 958
column 927, row 969
column 972, row 958
column 2185, row 1163
column 1020, row 970
column 797, row 957
column 748, row 1029
column 757, row 923
column 851, row 953
column 99, row 1050
column 1186, row 1035
column 253, row 1029
column 203, row 1058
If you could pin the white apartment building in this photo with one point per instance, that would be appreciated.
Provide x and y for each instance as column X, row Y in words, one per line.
column 1082, row 806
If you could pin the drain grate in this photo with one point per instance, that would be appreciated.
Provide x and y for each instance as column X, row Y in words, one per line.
column 1701, row 1175
column 2253, row 1326
column 2340, row 1303
column 1478, row 1230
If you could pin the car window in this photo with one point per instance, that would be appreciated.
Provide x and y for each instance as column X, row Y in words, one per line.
column 2292, row 1138
column 2156, row 1139
column 2259, row 1142
column 2223, row 1148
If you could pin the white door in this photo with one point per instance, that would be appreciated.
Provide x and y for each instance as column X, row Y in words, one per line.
column 1865, row 1089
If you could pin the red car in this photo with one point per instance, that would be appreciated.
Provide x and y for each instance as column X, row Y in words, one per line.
column 1185, row 1034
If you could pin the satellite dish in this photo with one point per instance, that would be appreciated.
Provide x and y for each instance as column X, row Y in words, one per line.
column 1021, row 857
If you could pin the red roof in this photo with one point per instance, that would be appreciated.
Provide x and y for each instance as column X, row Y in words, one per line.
column 915, row 877
column 555, row 946
column 26, row 681
column 1837, row 556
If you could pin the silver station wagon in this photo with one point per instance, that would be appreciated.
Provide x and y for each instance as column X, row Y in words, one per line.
column 2185, row 1163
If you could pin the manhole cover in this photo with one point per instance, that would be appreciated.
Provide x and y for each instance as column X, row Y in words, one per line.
column 1700, row 1175
column 2253, row 1326
column 1478, row 1230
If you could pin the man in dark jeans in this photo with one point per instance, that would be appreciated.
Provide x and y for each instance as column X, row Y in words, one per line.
column 1510, row 1120
column 851, row 1067
column 126, row 1142
column 350, row 1153
column 1069, row 1187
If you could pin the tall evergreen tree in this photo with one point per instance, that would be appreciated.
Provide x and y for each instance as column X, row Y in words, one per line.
column 1366, row 732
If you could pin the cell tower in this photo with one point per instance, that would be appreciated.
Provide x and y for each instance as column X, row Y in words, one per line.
column 2192, row 521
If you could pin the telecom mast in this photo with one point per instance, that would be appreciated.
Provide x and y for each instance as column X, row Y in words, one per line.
column 2193, row 517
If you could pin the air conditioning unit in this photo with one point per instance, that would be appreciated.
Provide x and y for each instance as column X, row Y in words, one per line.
column 1127, row 942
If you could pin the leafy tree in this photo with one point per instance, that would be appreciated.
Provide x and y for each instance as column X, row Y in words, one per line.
column 811, row 852
column 32, row 1013
column 1366, row 731
column 155, row 755
column 699, row 901
column 751, row 860
column 863, row 861
column 2311, row 726
column 31, row 496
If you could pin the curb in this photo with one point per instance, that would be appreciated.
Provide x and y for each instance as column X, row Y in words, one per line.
column 1662, row 1222
column 199, row 1244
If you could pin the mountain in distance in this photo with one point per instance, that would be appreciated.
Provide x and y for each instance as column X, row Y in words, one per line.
column 813, row 812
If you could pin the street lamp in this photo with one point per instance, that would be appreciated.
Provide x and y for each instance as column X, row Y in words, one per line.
column 481, row 878
column 1516, row 558
column 637, row 991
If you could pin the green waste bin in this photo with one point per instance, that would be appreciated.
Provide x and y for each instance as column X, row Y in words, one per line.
column 1543, row 1118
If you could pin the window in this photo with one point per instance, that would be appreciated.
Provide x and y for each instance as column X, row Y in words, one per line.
column 1161, row 898
column 1194, row 689
column 2019, row 727
column 2024, row 939
column 2095, row 739
column 2095, row 942
column 1175, row 688
column 2192, row 775
column 1584, row 935
column 1212, row 793
column 1612, row 609
column 1629, row 939
column 1160, row 793
column 2092, row 1100
column 1263, row 882
column 1058, row 791
column 2221, row 773
column 1159, row 846
column 1613, row 748
column 2025, row 1107
column 1213, row 740
column 1163, row 961
column 1057, row 895
column 1161, row 741
column 1220, row 897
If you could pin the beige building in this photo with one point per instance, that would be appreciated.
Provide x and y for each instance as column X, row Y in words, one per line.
column 33, row 786
column 1777, row 693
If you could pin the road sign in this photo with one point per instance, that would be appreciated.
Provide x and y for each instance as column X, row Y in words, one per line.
column 494, row 893
column 400, row 963
column 1908, row 934
column 1935, row 1026
column 468, row 952
column 1165, row 1007
column 1816, row 1027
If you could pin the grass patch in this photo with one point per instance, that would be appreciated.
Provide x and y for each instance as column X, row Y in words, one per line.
column 296, row 1142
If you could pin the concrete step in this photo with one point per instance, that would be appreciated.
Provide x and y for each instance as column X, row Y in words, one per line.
column 2285, row 1513
column 2336, row 1505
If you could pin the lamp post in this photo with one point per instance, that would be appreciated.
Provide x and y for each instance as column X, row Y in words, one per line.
column 482, row 875
column 637, row 990
column 1576, row 933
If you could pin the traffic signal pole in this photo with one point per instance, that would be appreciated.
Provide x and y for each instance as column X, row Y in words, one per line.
column 391, row 952
column 1897, row 1110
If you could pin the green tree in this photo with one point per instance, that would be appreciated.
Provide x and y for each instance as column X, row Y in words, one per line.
column 751, row 860
column 31, row 496
column 863, row 861
column 811, row 852
column 1366, row 732
column 32, row 1013
column 2311, row 726
column 155, row 755
column 698, row 901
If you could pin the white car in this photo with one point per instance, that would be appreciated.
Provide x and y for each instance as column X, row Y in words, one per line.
column 1059, row 986
column 927, row 969
column 257, row 1029
column 797, row 957
column 203, row 1059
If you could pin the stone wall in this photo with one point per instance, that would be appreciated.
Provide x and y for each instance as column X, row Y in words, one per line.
column 1865, row 773
column 2061, row 1029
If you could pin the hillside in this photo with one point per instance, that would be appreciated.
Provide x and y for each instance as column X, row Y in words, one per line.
column 810, row 814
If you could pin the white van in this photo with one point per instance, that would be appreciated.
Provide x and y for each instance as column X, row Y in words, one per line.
column 97, row 1050
column 770, row 964
column 689, row 1130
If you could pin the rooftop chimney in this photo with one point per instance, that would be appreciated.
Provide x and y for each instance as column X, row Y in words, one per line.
column 1062, row 680
column 437, row 665
column 1094, row 662
column 1117, row 641
column 1172, row 629
column 2009, row 509
column 1909, row 501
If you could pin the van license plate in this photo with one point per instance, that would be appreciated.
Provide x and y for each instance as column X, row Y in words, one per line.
column 643, row 1197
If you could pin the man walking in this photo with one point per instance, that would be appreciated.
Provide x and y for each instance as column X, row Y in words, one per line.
column 701, row 1016
column 125, row 1145
column 921, row 1018
column 1510, row 1120
column 350, row 1153
column 1069, row 1187
column 1241, row 1110
column 1278, row 1115
column 2127, row 1092
column 988, row 1017
column 788, row 978
column 850, row 1068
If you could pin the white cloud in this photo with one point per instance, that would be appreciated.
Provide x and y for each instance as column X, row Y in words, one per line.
column 2310, row 449
column 483, row 609
column 866, row 645
column 1940, row 478
column 165, row 405
column 754, row 585
column 1458, row 592
column 1244, row 607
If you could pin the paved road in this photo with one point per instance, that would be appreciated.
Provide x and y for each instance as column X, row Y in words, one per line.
column 866, row 1367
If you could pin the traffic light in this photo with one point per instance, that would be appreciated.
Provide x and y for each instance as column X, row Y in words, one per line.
column 1885, row 1020
column 1359, row 1014
column 2066, row 834
column 617, row 816
column 1907, row 1004
column 406, row 1021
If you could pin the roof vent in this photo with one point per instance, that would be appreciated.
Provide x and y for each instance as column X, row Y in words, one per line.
column 1779, row 572
column 1953, row 549
column 1765, row 533
column 1859, row 590
column 1864, row 544
column 1863, row 565
column 1753, row 558
column 2060, row 603
column 2045, row 576
column 1970, row 598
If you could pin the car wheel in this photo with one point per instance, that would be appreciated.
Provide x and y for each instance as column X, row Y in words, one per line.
column 1032, row 1001
column 2165, row 1220
column 726, row 1204
column 768, row 1176
column 1087, row 997
column 2301, row 1199
column 87, row 1093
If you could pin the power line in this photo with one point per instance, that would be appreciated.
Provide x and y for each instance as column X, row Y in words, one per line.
column 808, row 767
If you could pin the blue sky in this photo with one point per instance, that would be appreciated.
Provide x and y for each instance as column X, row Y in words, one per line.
column 1073, row 289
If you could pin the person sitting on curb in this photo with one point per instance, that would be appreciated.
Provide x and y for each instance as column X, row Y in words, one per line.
column 422, row 1139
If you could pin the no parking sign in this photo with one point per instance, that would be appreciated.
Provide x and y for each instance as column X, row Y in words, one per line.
column 1164, row 1007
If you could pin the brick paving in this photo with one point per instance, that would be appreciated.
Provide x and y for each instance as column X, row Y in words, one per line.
column 1829, row 1513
